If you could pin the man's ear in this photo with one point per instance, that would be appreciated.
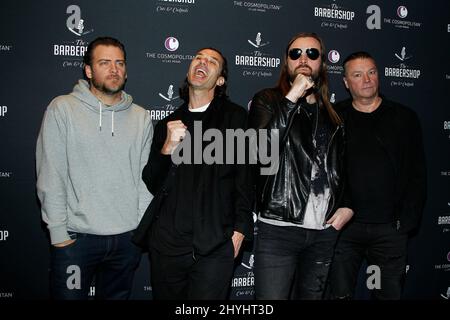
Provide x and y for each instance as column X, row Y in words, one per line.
column 220, row 81
column 88, row 71
column 345, row 82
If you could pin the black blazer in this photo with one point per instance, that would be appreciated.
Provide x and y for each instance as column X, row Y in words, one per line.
column 223, row 200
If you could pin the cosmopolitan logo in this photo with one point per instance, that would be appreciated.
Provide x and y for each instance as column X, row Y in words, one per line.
column 334, row 13
column 334, row 56
column 4, row 47
column 257, row 6
column 171, row 44
column 5, row 174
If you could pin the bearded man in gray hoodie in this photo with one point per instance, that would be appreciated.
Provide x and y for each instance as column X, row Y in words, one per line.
column 91, row 149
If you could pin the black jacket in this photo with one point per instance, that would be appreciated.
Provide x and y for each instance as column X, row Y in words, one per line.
column 284, row 195
column 222, row 200
column 399, row 133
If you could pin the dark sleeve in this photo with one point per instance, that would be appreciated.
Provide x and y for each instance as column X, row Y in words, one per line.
column 416, row 176
column 244, row 195
column 264, row 114
column 158, row 164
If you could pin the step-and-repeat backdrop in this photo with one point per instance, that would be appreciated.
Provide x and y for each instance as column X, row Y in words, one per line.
column 41, row 48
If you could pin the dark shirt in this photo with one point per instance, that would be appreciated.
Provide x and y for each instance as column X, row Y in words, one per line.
column 172, row 233
column 370, row 170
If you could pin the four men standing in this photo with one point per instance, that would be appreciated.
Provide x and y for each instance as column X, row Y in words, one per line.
column 354, row 164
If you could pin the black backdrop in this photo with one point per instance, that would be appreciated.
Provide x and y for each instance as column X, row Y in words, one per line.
column 41, row 47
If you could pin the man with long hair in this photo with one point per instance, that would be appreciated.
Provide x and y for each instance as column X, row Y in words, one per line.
column 300, row 207
column 204, row 209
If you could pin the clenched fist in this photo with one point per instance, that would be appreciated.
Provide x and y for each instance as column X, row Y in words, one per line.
column 176, row 131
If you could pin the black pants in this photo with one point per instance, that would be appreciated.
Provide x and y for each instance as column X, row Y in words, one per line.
column 382, row 246
column 189, row 277
column 292, row 262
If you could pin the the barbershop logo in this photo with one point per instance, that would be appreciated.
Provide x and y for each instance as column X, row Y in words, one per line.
column 243, row 281
column 261, row 7
column 334, row 68
column 3, row 111
column 257, row 62
column 334, row 15
column 374, row 20
column 171, row 45
column 4, row 234
column 402, row 56
column 402, row 74
column 167, row 96
column 446, row 295
column 257, row 43
column 173, row 6
column 443, row 220
column 74, row 22
column 447, row 128
column 249, row 264
column 72, row 51
column 333, row 98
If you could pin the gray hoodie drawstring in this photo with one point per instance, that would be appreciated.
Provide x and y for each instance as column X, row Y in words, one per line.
column 112, row 123
column 100, row 117
column 100, row 120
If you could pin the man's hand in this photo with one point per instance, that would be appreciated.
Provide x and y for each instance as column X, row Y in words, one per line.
column 64, row 243
column 176, row 131
column 340, row 218
column 299, row 87
column 237, row 242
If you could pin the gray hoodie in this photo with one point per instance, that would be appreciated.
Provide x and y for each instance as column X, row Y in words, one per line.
column 89, row 161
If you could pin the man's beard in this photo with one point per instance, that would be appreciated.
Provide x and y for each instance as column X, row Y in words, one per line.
column 293, row 75
column 105, row 89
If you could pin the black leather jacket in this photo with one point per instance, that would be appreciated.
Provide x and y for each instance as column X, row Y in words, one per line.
column 284, row 195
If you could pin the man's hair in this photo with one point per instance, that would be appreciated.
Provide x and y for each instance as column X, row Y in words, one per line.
column 219, row 91
column 105, row 41
column 284, row 81
column 357, row 55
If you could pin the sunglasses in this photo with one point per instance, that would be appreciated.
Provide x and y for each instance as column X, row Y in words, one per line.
column 311, row 53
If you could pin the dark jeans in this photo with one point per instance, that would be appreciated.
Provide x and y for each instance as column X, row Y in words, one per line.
column 382, row 246
column 188, row 277
column 111, row 259
column 292, row 262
